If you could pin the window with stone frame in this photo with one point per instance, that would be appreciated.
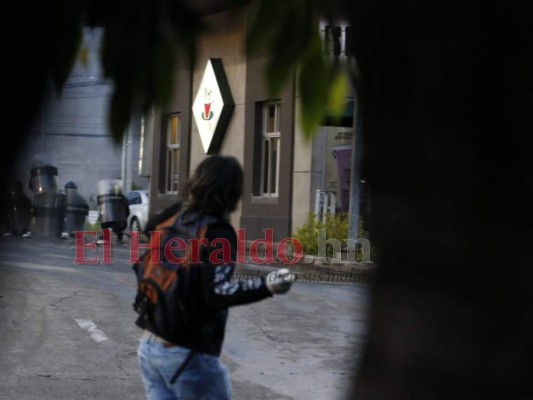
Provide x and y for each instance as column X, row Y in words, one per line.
column 172, row 156
column 270, row 149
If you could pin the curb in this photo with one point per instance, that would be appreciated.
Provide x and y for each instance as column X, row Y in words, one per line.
column 332, row 265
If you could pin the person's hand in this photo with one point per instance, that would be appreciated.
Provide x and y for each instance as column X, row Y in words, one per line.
column 280, row 281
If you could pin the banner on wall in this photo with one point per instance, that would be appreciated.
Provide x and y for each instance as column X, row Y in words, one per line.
column 343, row 162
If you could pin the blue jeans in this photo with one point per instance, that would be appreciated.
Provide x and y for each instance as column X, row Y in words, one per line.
column 205, row 377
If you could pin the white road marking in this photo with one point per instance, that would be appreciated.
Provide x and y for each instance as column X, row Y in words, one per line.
column 96, row 334
column 36, row 266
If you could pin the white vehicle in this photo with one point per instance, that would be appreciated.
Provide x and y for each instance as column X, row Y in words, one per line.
column 138, row 202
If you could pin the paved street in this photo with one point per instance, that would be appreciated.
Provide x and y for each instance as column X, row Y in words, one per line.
column 67, row 331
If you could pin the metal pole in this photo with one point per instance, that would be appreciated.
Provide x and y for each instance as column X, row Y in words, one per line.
column 355, row 176
column 317, row 204
column 129, row 157
column 127, row 161
column 124, row 167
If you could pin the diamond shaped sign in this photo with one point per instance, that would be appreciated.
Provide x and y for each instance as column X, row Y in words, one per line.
column 213, row 106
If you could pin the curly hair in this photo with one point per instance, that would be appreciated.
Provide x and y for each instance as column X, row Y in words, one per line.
column 216, row 186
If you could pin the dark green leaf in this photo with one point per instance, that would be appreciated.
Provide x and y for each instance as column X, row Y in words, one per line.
column 263, row 19
column 67, row 40
column 313, row 87
column 120, row 114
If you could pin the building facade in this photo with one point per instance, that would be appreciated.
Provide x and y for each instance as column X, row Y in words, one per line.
column 72, row 133
column 286, row 176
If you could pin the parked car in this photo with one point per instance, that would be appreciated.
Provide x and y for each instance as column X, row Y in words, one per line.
column 138, row 201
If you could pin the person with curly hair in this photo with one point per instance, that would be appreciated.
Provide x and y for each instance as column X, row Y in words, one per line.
column 190, row 367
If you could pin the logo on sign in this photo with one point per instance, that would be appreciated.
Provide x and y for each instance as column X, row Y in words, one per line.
column 207, row 114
